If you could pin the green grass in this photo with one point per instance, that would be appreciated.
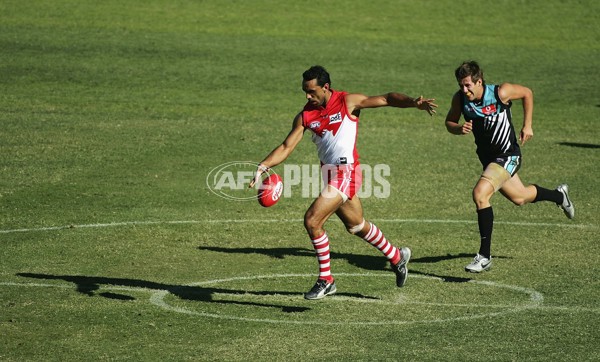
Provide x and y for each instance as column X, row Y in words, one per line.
column 113, row 113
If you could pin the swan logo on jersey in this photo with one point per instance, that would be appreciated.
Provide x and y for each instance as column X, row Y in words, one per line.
column 487, row 110
column 335, row 118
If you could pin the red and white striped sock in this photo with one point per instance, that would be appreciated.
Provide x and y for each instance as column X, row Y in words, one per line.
column 321, row 245
column 376, row 238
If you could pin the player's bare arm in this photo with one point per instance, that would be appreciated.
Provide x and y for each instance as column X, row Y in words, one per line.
column 453, row 118
column 508, row 92
column 356, row 102
column 281, row 152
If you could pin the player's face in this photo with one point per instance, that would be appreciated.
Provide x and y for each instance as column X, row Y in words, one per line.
column 472, row 90
column 315, row 94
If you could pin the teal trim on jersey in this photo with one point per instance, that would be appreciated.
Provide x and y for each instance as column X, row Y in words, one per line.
column 489, row 105
column 492, row 125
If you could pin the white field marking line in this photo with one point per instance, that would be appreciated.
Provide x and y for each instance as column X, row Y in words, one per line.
column 536, row 297
column 263, row 221
column 157, row 298
column 536, row 300
column 11, row 284
column 338, row 298
column 99, row 225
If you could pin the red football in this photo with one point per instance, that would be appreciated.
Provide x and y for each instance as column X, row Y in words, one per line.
column 270, row 190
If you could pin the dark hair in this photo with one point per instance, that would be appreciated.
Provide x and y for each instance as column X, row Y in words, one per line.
column 469, row 68
column 317, row 72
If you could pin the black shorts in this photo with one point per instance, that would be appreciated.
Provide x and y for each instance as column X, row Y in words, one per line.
column 512, row 164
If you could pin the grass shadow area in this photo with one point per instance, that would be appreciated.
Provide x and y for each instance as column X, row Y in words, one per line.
column 579, row 145
column 90, row 285
column 366, row 262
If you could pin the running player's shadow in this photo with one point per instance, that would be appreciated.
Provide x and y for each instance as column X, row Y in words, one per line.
column 90, row 285
column 437, row 259
column 277, row 253
column 367, row 262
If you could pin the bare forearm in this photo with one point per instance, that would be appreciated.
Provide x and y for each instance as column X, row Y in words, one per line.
column 528, row 110
column 281, row 152
column 459, row 129
column 400, row 100
column 454, row 128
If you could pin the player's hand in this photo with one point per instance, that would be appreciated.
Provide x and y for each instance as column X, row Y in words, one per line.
column 467, row 127
column 260, row 169
column 426, row 105
column 525, row 135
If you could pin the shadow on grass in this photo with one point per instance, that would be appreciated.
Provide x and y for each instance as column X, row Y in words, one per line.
column 579, row 145
column 367, row 262
column 90, row 285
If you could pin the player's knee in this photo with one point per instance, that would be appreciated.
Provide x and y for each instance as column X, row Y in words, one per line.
column 519, row 201
column 480, row 197
column 311, row 223
column 524, row 196
column 308, row 222
column 484, row 190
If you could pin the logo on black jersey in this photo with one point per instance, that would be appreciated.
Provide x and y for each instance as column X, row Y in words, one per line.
column 487, row 110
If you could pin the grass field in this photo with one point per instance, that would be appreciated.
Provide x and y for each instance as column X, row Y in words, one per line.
column 113, row 247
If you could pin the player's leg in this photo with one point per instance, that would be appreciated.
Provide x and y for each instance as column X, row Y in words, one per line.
column 492, row 179
column 519, row 194
column 317, row 214
column 351, row 214
column 320, row 210
column 482, row 193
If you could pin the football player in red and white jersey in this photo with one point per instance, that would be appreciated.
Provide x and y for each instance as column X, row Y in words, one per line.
column 332, row 117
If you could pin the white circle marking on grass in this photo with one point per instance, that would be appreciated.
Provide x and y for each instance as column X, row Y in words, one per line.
column 157, row 298
column 535, row 300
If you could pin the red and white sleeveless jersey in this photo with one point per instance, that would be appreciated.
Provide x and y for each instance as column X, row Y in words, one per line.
column 334, row 130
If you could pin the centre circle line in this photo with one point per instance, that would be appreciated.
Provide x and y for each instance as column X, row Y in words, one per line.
column 535, row 300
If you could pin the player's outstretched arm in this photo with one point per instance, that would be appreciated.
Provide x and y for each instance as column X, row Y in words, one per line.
column 356, row 102
column 281, row 152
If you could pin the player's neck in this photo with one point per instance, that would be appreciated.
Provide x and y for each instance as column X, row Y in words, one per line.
column 327, row 98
